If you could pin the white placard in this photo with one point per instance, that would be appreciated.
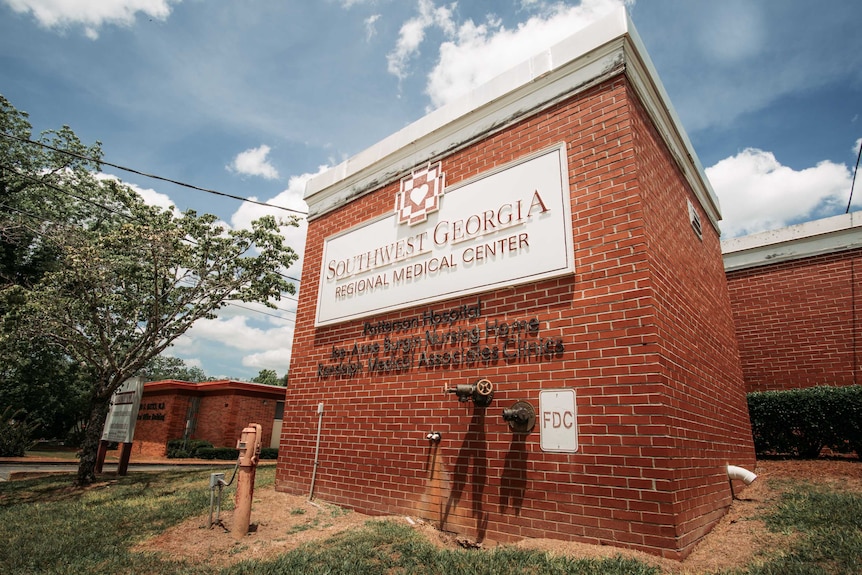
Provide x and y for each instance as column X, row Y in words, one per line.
column 505, row 227
column 123, row 413
column 558, row 420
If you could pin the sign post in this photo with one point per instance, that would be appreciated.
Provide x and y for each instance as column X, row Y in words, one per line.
column 120, row 423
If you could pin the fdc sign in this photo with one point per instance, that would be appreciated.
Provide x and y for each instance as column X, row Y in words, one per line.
column 558, row 425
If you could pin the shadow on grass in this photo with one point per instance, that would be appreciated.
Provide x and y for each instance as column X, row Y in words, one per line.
column 61, row 486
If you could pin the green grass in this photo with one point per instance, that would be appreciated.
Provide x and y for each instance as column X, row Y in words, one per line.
column 827, row 526
column 48, row 527
column 387, row 548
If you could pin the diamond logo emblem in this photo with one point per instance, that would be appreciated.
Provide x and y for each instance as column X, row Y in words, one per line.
column 420, row 194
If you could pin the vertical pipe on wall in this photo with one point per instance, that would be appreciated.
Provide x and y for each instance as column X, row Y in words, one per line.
column 853, row 323
column 316, row 449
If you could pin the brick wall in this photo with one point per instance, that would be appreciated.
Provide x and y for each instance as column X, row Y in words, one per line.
column 224, row 409
column 224, row 415
column 797, row 322
column 162, row 417
column 704, row 408
column 648, row 346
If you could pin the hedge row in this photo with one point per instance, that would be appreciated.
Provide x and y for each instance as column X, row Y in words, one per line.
column 200, row 449
column 230, row 453
column 801, row 422
column 186, row 448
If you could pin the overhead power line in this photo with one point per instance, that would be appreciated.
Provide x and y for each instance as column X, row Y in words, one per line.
column 853, row 183
column 64, row 191
column 153, row 176
column 12, row 170
column 184, row 281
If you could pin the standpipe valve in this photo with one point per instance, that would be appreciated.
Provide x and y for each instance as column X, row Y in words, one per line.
column 480, row 393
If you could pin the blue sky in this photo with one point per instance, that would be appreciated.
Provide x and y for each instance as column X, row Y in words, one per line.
column 251, row 97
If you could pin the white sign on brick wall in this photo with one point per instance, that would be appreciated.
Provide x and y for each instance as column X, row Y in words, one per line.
column 508, row 226
column 558, row 420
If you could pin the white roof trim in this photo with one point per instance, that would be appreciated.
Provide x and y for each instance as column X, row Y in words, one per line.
column 828, row 235
column 608, row 47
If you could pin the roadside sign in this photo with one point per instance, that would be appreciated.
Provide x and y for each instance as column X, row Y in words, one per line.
column 123, row 414
column 558, row 420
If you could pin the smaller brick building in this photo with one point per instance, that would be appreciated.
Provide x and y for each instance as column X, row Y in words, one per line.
column 215, row 411
column 795, row 299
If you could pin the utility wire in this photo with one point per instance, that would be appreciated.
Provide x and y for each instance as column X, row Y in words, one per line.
column 231, row 303
column 153, row 176
column 855, row 171
column 40, row 218
column 98, row 205
column 64, row 191
column 265, row 313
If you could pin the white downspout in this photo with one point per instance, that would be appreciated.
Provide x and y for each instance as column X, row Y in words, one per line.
column 735, row 472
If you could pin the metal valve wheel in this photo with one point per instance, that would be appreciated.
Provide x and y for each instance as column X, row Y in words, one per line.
column 483, row 393
column 484, row 387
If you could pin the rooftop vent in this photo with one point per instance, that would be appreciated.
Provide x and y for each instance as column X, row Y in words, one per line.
column 694, row 220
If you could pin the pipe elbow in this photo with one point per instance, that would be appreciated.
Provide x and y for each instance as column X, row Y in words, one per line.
column 735, row 472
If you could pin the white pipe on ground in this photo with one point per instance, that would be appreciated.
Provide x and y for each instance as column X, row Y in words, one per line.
column 734, row 472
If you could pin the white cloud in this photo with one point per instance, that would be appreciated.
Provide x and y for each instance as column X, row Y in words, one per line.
column 412, row 34
column 289, row 198
column 264, row 348
column 253, row 162
column 370, row 28
column 757, row 193
column 193, row 362
column 276, row 359
column 91, row 14
column 234, row 332
column 481, row 52
column 149, row 195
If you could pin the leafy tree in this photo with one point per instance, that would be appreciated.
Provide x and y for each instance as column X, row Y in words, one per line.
column 43, row 385
column 167, row 367
column 15, row 433
column 127, row 279
column 38, row 381
column 269, row 377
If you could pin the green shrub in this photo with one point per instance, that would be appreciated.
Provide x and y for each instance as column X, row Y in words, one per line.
column 188, row 448
column 16, row 434
column 269, row 453
column 801, row 422
column 220, row 453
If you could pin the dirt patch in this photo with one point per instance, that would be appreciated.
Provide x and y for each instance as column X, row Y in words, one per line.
column 282, row 522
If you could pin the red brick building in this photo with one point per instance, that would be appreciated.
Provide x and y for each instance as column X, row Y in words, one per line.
column 551, row 236
column 215, row 411
column 795, row 296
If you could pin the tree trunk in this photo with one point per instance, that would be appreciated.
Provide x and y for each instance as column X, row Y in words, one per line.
column 92, row 436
